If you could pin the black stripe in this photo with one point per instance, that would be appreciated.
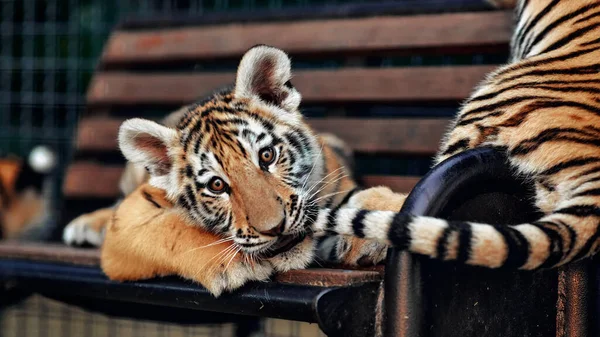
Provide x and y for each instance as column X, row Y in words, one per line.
column 541, row 35
column 555, row 253
column 190, row 195
column 465, row 234
column 441, row 246
column 399, row 233
column 580, row 210
column 292, row 140
column 148, row 197
column 517, row 246
column 570, row 37
column 189, row 172
column 587, row 17
column 347, row 197
column 525, row 32
column 587, row 247
column 333, row 213
column 569, row 164
column 501, row 104
column 331, row 218
column 265, row 123
column 458, row 145
column 589, row 171
column 526, row 64
column 590, row 192
column 571, row 89
column 553, row 135
column 591, row 69
column 532, row 84
column 191, row 133
column 357, row 223
column 591, row 42
column 545, row 183
column 477, row 119
column 572, row 235
column 183, row 203
column 591, row 180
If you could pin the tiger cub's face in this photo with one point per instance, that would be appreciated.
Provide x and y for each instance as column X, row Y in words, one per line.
column 242, row 163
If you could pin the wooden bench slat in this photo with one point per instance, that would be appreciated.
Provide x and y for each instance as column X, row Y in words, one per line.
column 93, row 180
column 383, row 33
column 396, row 135
column 49, row 253
column 317, row 86
column 393, row 136
column 98, row 134
column 43, row 252
column 400, row 184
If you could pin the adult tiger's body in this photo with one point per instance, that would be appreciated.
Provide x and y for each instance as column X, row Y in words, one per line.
column 543, row 109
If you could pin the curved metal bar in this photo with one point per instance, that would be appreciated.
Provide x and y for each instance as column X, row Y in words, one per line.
column 440, row 193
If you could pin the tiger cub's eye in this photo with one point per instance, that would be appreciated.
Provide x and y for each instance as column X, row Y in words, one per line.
column 217, row 185
column 266, row 155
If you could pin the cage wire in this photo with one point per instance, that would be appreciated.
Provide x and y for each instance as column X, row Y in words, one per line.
column 48, row 52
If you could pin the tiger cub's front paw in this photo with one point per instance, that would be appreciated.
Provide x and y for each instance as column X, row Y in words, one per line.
column 233, row 276
column 87, row 228
column 351, row 251
column 360, row 252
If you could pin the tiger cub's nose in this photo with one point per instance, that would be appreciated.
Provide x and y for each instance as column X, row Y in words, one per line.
column 274, row 231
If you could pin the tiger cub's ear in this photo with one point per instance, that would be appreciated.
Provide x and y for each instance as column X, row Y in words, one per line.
column 264, row 73
column 149, row 145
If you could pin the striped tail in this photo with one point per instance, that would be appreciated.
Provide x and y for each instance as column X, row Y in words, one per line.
column 542, row 244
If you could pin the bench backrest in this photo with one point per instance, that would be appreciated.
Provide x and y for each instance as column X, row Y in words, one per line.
column 390, row 114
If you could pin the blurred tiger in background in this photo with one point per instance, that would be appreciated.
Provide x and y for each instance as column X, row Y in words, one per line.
column 24, row 193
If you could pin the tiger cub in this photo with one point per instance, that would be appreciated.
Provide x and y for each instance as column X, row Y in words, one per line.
column 228, row 187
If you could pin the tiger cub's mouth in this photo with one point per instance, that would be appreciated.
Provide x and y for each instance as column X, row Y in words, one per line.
column 284, row 244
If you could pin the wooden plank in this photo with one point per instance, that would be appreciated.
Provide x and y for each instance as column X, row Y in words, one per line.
column 393, row 135
column 85, row 180
column 395, row 183
column 98, row 134
column 384, row 33
column 324, row 277
column 317, row 86
column 49, row 253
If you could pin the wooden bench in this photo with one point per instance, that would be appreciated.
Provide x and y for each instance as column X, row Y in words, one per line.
column 392, row 116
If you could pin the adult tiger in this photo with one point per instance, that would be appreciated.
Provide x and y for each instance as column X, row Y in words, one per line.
column 543, row 110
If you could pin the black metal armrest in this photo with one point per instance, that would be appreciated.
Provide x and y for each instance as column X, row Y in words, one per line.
column 424, row 297
column 342, row 302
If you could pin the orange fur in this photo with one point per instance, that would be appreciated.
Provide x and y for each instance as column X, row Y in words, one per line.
column 143, row 241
